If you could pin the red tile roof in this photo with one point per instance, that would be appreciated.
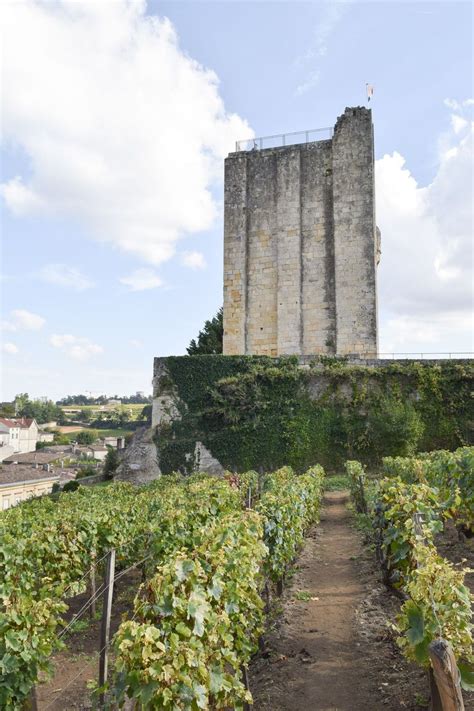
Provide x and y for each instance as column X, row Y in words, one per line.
column 22, row 422
column 8, row 423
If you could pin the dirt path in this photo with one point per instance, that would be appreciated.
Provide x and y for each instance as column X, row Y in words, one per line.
column 317, row 659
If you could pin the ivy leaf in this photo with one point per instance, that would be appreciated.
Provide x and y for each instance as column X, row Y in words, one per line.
column 416, row 629
column 183, row 568
column 12, row 641
column 215, row 590
column 197, row 609
column 467, row 675
column 183, row 630
column 200, row 694
column 216, row 680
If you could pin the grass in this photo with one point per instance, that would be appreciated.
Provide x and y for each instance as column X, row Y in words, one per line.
column 303, row 595
column 336, row 482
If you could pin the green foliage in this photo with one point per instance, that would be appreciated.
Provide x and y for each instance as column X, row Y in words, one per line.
column 48, row 544
column 210, row 338
column 451, row 472
column 439, row 605
column 254, row 411
column 198, row 619
column 407, row 516
column 395, row 427
column 196, row 622
column 87, row 470
column 71, row 486
column 111, row 462
column 337, row 482
column 40, row 410
column 87, row 436
column 358, row 485
column 288, row 506
column 397, row 504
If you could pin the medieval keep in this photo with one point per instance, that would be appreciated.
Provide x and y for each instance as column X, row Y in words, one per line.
column 301, row 246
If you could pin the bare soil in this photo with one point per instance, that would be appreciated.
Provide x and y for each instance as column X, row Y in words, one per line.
column 66, row 429
column 335, row 651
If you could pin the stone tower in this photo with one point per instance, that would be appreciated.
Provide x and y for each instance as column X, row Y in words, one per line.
column 301, row 246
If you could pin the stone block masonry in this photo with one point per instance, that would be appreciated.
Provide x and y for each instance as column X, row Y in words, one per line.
column 301, row 246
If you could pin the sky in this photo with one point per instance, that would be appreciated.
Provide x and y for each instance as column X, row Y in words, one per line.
column 116, row 117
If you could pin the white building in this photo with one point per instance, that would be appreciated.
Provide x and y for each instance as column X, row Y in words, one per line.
column 17, row 435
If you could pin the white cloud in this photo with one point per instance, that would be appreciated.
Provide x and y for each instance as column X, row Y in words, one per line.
column 456, row 105
column 20, row 320
column 310, row 83
column 142, row 279
column 75, row 346
column 121, row 127
column 331, row 14
column 135, row 343
column 62, row 275
column 10, row 348
column 425, row 275
column 194, row 260
column 20, row 199
column 458, row 123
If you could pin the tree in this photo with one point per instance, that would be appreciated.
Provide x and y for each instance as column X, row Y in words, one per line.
column 209, row 340
column 111, row 462
column 146, row 414
column 40, row 410
column 20, row 401
column 87, row 436
column 7, row 409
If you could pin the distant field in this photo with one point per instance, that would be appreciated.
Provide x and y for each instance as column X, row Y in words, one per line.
column 101, row 408
column 69, row 429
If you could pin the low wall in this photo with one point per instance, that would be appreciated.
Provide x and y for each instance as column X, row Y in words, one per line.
column 241, row 412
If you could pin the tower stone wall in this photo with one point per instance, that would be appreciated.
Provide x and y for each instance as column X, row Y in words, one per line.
column 300, row 246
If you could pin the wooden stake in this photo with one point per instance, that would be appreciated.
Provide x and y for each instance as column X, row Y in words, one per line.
column 32, row 703
column 245, row 676
column 105, row 628
column 92, row 608
column 435, row 700
column 447, row 677
column 363, row 502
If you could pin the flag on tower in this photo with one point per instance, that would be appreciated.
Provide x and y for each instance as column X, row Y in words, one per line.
column 370, row 91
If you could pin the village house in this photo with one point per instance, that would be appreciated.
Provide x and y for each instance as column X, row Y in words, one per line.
column 21, row 482
column 17, row 435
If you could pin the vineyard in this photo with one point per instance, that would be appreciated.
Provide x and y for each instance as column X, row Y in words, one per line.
column 408, row 508
column 213, row 554
column 205, row 559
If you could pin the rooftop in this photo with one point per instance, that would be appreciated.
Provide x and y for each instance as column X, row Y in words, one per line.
column 38, row 457
column 20, row 474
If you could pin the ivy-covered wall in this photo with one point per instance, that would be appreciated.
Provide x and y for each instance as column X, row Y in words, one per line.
column 253, row 411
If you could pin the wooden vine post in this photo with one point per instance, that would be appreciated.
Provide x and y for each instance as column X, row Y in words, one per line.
column 105, row 628
column 445, row 678
column 93, row 587
column 245, row 678
column 32, row 703
column 363, row 500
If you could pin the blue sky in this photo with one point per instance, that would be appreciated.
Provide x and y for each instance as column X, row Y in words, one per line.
column 115, row 123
